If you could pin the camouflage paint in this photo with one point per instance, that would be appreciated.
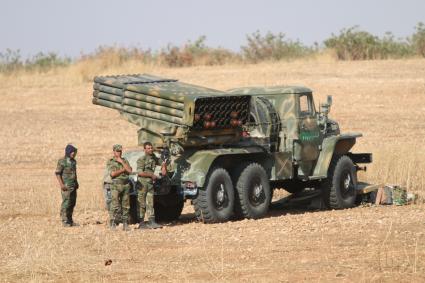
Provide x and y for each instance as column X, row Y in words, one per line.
column 195, row 165
column 168, row 113
column 328, row 149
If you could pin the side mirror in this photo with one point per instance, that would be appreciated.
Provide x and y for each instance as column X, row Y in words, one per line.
column 329, row 100
column 325, row 107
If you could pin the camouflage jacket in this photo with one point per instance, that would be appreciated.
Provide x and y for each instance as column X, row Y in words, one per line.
column 113, row 165
column 147, row 163
column 67, row 169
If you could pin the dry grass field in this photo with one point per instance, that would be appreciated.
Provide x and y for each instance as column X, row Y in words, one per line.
column 41, row 113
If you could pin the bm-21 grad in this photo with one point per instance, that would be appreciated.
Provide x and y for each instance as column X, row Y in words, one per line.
column 230, row 149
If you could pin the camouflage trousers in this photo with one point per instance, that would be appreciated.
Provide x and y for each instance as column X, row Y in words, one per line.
column 145, row 199
column 107, row 194
column 120, row 203
column 69, row 199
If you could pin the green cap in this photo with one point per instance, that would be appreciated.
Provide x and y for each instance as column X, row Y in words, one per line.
column 117, row 147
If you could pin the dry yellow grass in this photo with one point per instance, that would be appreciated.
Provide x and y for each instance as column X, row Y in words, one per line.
column 41, row 113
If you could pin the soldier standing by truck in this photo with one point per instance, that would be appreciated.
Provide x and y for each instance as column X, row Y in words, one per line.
column 119, row 169
column 66, row 174
column 145, row 172
column 107, row 183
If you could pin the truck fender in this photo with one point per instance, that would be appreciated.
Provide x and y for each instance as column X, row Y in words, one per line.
column 340, row 144
column 200, row 162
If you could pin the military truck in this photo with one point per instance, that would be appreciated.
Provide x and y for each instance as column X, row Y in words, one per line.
column 230, row 149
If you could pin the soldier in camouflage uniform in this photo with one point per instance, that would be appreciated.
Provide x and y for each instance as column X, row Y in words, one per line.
column 145, row 172
column 107, row 183
column 66, row 174
column 119, row 169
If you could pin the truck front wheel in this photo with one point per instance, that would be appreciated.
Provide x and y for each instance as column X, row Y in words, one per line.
column 253, row 191
column 339, row 188
column 215, row 202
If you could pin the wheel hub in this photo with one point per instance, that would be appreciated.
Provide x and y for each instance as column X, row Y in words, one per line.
column 347, row 182
column 220, row 195
column 257, row 191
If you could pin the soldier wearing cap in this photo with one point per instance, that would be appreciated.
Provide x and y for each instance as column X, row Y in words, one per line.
column 145, row 172
column 66, row 174
column 119, row 169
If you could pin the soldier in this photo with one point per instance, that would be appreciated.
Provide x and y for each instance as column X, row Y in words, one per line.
column 66, row 173
column 145, row 172
column 119, row 169
column 107, row 183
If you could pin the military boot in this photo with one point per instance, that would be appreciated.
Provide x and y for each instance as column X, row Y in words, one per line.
column 152, row 224
column 112, row 224
column 66, row 224
column 125, row 226
column 142, row 225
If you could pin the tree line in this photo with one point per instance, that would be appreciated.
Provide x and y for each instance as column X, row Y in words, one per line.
column 350, row 44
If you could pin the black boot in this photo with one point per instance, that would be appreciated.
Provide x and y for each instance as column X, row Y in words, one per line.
column 66, row 224
column 152, row 224
column 142, row 225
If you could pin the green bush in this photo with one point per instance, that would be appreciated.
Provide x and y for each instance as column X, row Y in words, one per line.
column 353, row 44
column 10, row 61
column 45, row 62
column 272, row 47
column 418, row 39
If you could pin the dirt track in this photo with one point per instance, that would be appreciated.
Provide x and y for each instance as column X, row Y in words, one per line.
column 41, row 113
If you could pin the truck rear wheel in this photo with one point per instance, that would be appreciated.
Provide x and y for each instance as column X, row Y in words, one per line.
column 215, row 202
column 253, row 191
column 168, row 207
column 339, row 188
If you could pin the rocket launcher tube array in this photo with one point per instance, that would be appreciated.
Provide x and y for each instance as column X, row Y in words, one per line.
column 139, row 96
column 165, row 100
column 140, row 104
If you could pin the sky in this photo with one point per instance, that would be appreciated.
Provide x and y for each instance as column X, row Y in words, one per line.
column 72, row 27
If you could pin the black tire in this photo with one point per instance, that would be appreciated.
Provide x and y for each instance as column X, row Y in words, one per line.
column 339, row 189
column 168, row 207
column 253, row 191
column 215, row 202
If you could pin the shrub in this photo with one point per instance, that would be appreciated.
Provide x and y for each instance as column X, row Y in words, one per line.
column 353, row 44
column 10, row 61
column 418, row 39
column 116, row 56
column 195, row 53
column 272, row 47
column 45, row 62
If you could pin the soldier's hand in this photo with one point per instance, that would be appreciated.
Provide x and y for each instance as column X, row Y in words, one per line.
column 64, row 188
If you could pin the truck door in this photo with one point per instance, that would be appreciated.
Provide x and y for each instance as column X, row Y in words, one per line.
column 307, row 146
